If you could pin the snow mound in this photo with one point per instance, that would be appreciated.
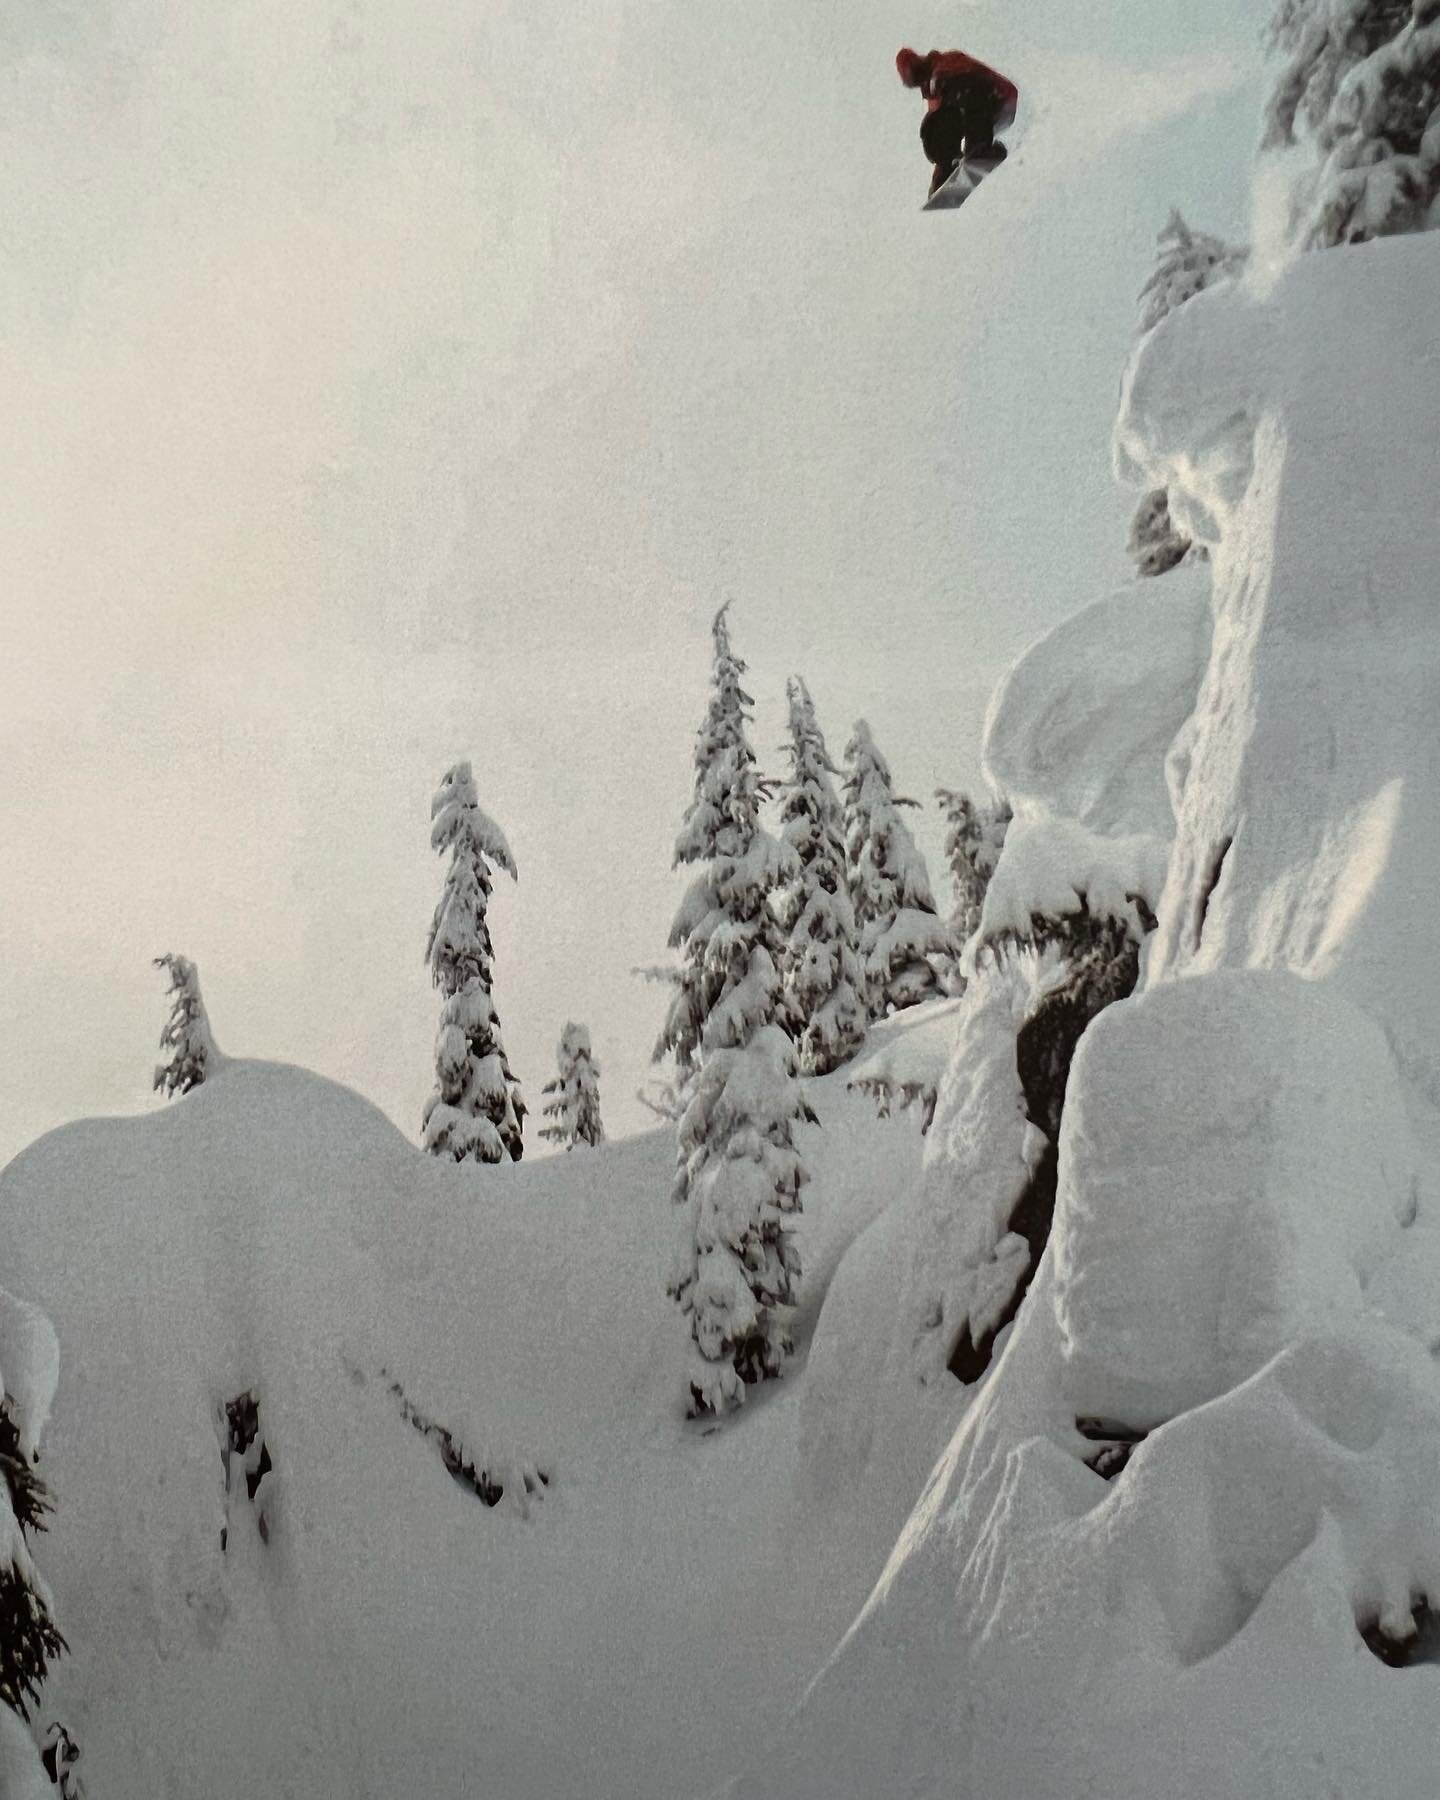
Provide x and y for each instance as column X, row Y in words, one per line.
column 1077, row 738
column 389, row 1454
column 1262, row 1193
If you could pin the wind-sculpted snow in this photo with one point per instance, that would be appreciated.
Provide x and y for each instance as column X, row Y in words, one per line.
column 1077, row 737
column 1313, row 763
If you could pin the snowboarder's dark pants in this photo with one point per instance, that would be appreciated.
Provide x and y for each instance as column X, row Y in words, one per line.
column 962, row 125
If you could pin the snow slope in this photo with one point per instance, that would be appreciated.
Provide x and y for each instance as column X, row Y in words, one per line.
column 1241, row 1280
column 611, row 1629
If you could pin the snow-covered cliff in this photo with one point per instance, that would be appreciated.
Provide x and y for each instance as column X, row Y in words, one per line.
column 1187, row 1539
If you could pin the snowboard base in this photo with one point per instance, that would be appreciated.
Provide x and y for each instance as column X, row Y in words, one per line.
column 958, row 188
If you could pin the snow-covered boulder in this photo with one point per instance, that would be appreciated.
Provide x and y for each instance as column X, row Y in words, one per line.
column 1235, row 1163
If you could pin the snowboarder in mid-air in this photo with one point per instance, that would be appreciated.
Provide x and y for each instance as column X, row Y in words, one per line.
column 966, row 104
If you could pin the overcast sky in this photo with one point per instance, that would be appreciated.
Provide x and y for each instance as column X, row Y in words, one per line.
column 393, row 381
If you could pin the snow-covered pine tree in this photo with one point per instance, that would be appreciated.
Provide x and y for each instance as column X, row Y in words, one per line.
column 575, row 1093
column 29, row 1637
column 187, row 1041
column 974, row 838
column 889, row 885
column 1186, row 263
column 724, row 767
column 1360, row 81
column 739, row 1174
column 476, row 1110
column 824, row 980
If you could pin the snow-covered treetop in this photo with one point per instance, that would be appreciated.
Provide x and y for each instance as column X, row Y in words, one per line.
column 188, row 1043
column 574, row 1102
column 1361, row 78
column 729, row 791
column 459, row 946
column 457, row 819
column 881, row 846
column 1187, row 262
column 814, row 820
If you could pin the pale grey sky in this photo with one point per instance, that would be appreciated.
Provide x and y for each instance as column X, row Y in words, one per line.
column 388, row 383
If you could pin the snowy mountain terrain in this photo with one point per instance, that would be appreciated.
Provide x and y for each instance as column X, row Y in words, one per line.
column 638, row 1598
column 1105, row 1453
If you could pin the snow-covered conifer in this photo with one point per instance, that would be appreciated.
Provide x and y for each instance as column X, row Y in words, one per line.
column 889, row 885
column 974, row 838
column 1186, row 263
column 824, row 980
column 1360, row 82
column 476, row 1110
column 29, row 1638
column 739, row 1174
column 718, row 823
column 575, row 1093
column 189, row 1047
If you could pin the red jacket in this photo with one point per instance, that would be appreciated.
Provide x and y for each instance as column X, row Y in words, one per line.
column 928, row 74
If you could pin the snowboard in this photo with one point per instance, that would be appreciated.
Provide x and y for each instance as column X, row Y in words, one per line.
column 957, row 189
